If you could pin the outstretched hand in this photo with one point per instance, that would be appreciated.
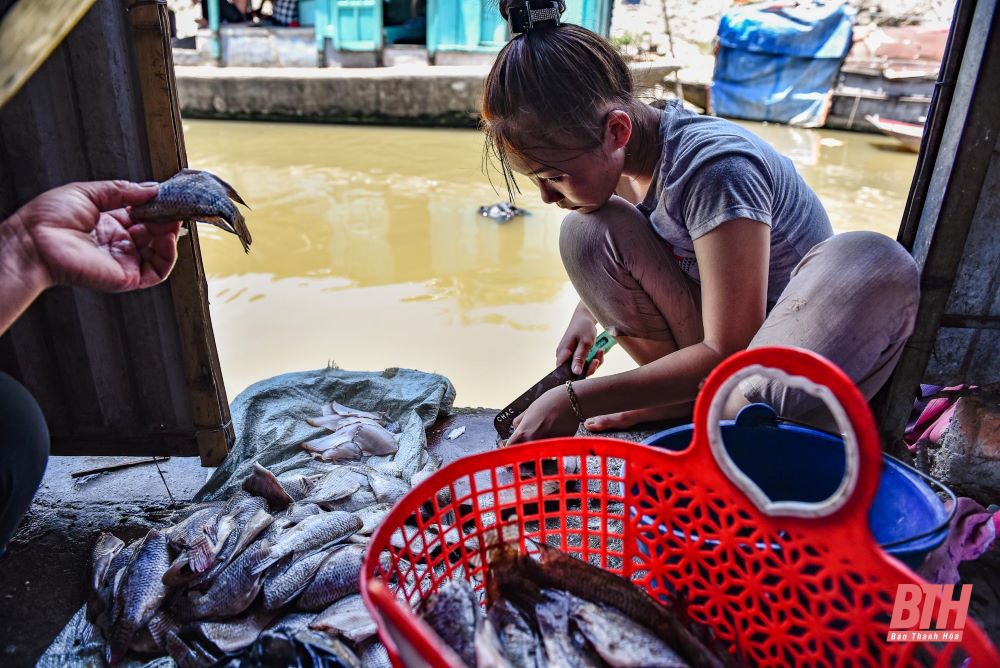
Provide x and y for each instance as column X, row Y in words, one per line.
column 82, row 234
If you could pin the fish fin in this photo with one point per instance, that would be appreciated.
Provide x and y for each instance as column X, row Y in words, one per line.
column 237, row 226
column 266, row 561
column 200, row 557
column 230, row 191
column 159, row 625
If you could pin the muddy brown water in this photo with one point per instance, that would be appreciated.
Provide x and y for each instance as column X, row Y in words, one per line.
column 368, row 251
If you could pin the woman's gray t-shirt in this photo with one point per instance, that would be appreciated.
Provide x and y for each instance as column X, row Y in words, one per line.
column 711, row 171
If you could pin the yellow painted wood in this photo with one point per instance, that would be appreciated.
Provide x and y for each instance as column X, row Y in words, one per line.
column 31, row 30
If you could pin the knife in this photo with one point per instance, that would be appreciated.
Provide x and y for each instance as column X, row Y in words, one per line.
column 504, row 419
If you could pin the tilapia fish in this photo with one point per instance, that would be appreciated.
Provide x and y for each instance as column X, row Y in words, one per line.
column 520, row 643
column 235, row 634
column 107, row 547
column 454, row 613
column 347, row 617
column 196, row 195
column 529, row 583
column 140, row 595
column 264, row 484
column 621, row 642
column 561, row 647
column 338, row 576
column 198, row 541
column 232, row 592
column 102, row 615
column 281, row 586
column 313, row 532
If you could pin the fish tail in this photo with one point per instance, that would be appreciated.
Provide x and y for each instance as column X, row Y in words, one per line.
column 118, row 643
column 240, row 226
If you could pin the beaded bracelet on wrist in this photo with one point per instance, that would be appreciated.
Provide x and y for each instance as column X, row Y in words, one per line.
column 574, row 402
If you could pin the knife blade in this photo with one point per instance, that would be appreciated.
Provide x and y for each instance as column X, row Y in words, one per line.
column 504, row 419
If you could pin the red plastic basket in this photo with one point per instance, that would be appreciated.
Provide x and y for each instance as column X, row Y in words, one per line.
column 781, row 583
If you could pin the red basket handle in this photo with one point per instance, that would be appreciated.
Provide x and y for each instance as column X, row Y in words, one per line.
column 807, row 371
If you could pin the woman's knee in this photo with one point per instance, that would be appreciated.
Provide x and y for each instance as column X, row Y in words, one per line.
column 882, row 259
column 608, row 236
column 24, row 436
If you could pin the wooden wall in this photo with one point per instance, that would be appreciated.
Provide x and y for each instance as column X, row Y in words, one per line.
column 122, row 374
column 952, row 222
column 967, row 348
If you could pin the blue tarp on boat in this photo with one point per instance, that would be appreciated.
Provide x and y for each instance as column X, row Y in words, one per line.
column 779, row 63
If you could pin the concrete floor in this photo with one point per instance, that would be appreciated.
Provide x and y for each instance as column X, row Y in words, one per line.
column 43, row 575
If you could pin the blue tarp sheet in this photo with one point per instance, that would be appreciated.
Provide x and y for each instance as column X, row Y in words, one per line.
column 779, row 63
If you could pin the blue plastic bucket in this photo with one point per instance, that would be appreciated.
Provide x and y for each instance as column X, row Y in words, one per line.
column 790, row 462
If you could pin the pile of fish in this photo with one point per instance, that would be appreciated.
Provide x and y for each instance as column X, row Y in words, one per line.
column 354, row 434
column 550, row 609
column 283, row 555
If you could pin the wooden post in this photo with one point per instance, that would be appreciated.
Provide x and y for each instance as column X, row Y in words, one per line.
column 210, row 408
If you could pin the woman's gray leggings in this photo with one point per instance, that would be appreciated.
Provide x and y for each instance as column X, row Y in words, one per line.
column 853, row 299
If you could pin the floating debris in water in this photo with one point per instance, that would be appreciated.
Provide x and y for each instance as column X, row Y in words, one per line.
column 501, row 212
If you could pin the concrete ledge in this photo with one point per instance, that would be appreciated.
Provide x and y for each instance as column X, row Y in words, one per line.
column 406, row 95
column 411, row 96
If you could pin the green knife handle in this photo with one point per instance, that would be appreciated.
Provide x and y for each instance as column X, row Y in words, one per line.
column 602, row 344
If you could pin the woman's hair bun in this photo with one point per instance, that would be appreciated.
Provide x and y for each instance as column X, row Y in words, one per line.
column 506, row 5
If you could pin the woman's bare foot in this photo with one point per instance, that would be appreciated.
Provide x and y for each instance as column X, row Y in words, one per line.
column 627, row 419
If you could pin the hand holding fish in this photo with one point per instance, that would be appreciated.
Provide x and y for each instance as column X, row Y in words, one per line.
column 82, row 235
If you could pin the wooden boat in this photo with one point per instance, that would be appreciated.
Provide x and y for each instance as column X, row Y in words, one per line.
column 909, row 134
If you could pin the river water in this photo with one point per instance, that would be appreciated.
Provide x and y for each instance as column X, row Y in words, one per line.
column 368, row 251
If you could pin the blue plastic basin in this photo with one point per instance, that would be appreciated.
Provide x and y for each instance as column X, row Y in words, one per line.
column 795, row 463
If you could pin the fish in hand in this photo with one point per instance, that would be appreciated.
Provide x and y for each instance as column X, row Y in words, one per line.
column 196, row 195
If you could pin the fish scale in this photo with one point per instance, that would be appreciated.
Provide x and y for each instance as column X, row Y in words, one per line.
column 233, row 590
column 285, row 586
column 312, row 532
column 520, row 643
column 453, row 612
column 337, row 577
column 376, row 656
column 141, row 593
column 193, row 194
column 233, row 635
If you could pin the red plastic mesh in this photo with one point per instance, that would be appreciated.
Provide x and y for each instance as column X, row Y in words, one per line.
column 777, row 591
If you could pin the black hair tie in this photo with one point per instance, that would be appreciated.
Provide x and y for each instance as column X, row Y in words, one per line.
column 534, row 14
